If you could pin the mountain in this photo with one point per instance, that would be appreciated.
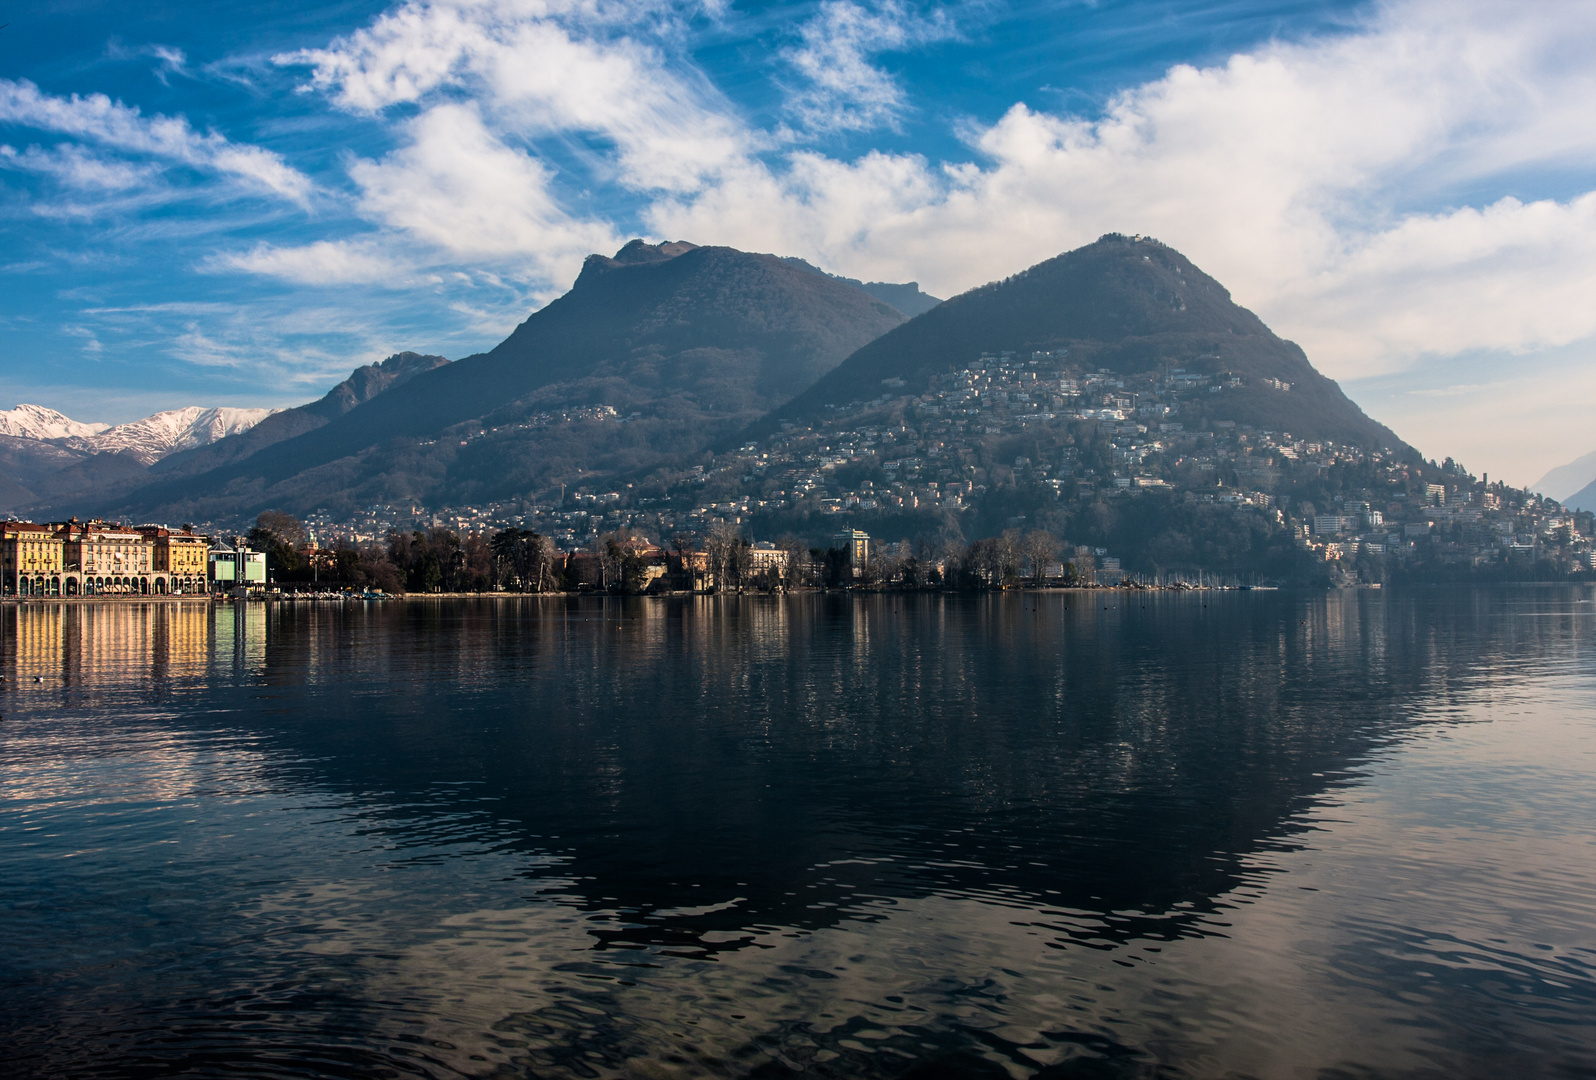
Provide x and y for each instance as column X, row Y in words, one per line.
column 37, row 422
column 46, row 455
column 152, row 438
column 653, row 355
column 362, row 385
column 147, row 440
column 1562, row 482
column 1583, row 499
column 98, row 463
column 1127, row 304
column 906, row 297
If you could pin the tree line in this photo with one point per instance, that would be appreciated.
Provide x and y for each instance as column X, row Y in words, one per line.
column 722, row 559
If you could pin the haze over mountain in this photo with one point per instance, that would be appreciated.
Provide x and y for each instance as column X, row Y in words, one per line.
column 48, row 457
column 362, row 385
column 695, row 341
column 1127, row 304
column 1583, row 499
column 906, row 297
column 148, row 440
column 1562, row 482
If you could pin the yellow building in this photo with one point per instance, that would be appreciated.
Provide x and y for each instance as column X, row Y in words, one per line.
column 31, row 559
column 104, row 559
column 182, row 556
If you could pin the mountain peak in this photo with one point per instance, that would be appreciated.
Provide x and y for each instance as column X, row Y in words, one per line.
column 154, row 437
column 636, row 253
column 1124, row 304
column 38, row 422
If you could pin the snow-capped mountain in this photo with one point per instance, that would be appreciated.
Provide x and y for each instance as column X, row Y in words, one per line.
column 37, row 422
column 153, row 437
column 148, row 440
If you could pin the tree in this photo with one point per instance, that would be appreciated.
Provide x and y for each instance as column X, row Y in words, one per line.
column 1039, row 548
column 280, row 536
column 721, row 548
column 838, row 566
column 799, row 562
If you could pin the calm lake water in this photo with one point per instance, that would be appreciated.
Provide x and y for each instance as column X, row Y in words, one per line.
column 1070, row 836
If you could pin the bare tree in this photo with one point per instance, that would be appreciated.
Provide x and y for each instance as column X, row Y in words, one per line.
column 720, row 550
column 1008, row 556
column 542, row 554
column 1039, row 548
column 798, row 560
column 1085, row 564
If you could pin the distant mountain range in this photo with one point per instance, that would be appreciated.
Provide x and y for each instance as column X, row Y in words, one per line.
column 361, row 386
column 1573, row 485
column 37, row 422
column 148, row 440
column 663, row 352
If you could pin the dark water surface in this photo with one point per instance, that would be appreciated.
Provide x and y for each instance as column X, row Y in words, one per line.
column 1244, row 834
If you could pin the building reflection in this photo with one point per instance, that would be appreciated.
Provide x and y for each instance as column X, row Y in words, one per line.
column 126, row 640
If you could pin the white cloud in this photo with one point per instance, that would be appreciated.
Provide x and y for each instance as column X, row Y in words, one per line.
column 1362, row 191
column 324, row 262
column 113, row 125
column 1283, row 172
column 540, row 69
column 458, row 189
column 78, row 168
column 847, row 92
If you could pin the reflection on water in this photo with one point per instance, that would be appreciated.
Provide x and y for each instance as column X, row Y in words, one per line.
column 1252, row 835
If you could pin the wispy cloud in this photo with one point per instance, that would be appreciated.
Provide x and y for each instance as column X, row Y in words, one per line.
column 79, row 168
column 111, row 124
column 324, row 262
column 845, row 90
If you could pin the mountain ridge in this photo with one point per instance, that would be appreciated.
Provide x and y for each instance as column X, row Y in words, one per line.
column 905, row 296
column 1567, row 481
column 363, row 384
column 1127, row 304
column 38, row 422
column 701, row 339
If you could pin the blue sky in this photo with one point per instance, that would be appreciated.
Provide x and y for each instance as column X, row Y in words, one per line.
column 237, row 204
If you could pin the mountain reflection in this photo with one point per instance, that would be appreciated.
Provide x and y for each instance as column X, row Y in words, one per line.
column 689, row 771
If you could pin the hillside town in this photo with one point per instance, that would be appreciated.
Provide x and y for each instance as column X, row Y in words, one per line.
column 1131, row 475
column 1071, row 476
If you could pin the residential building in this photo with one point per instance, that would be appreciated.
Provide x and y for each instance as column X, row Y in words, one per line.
column 765, row 557
column 857, row 545
column 104, row 559
column 182, row 556
column 30, row 559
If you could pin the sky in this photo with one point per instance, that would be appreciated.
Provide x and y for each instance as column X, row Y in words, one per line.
column 237, row 204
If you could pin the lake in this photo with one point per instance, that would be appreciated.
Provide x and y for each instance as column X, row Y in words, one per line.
column 1066, row 835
